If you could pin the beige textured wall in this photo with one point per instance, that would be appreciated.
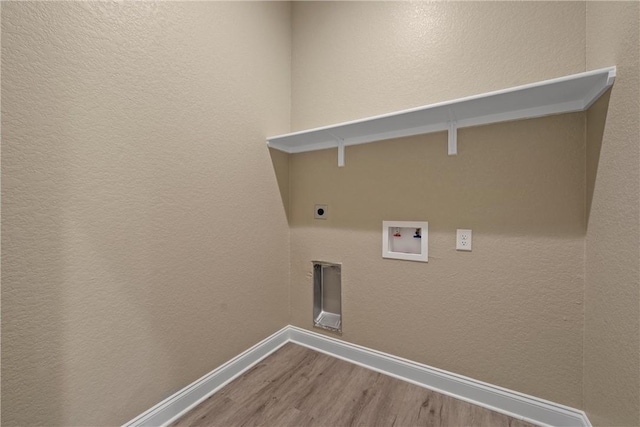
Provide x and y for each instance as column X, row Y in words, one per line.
column 510, row 312
column 144, row 241
column 142, row 218
column 356, row 59
column 612, row 290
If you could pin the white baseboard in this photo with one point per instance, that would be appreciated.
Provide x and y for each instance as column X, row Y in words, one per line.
column 512, row 403
column 183, row 401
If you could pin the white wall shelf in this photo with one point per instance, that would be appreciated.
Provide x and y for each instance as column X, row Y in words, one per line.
column 556, row 96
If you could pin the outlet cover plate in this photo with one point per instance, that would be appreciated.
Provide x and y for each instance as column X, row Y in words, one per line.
column 463, row 240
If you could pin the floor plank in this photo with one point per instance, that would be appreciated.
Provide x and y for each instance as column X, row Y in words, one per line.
column 296, row 386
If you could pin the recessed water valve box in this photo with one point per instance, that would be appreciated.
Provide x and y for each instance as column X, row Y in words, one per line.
column 327, row 296
column 407, row 240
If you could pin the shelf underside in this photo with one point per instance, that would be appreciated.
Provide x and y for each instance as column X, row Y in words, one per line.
column 562, row 95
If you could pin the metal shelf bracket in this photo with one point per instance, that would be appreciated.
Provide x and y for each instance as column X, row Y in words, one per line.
column 453, row 138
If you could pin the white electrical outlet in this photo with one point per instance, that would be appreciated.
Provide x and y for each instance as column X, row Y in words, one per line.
column 463, row 240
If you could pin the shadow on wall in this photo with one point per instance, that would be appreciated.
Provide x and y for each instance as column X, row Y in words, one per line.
column 31, row 291
column 596, row 122
column 280, row 161
column 524, row 177
column 463, row 196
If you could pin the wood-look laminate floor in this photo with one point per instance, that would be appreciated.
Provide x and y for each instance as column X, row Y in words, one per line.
column 299, row 387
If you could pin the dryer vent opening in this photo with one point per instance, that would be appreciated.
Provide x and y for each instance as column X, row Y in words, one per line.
column 327, row 296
